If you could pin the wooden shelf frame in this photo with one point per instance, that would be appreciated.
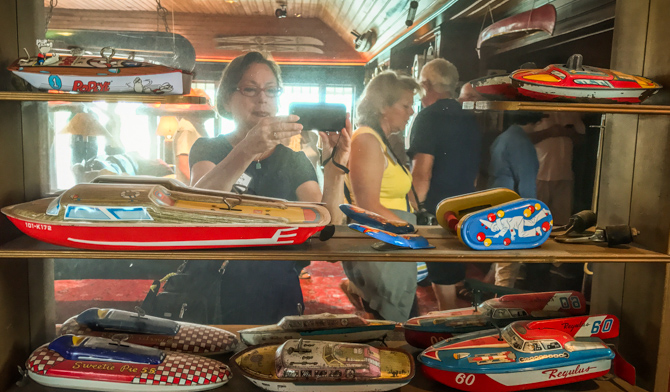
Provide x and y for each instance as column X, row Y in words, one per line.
column 84, row 97
column 348, row 245
column 566, row 107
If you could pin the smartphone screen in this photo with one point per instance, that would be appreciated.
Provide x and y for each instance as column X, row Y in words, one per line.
column 325, row 117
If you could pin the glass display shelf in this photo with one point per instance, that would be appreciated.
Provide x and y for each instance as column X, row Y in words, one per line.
column 566, row 107
column 84, row 97
column 348, row 245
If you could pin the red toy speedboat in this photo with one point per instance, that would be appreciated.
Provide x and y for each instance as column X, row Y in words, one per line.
column 158, row 214
column 524, row 355
column 424, row 331
column 577, row 83
column 99, row 364
column 151, row 331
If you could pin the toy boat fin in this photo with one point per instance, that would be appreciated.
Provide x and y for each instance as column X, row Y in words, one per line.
column 622, row 368
column 603, row 326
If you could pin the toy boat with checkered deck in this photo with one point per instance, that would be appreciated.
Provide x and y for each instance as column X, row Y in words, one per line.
column 318, row 366
column 99, row 364
column 324, row 326
column 151, row 331
column 150, row 213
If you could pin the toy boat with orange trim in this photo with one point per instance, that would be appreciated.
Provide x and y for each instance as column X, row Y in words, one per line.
column 156, row 332
column 149, row 213
column 575, row 82
column 99, row 364
column 317, row 366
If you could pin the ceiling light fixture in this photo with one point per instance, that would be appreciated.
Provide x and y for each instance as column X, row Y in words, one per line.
column 281, row 11
column 412, row 13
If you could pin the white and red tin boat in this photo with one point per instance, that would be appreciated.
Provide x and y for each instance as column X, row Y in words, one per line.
column 318, row 366
column 575, row 82
column 99, row 364
column 151, row 331
column 524, row 355
column 324, row 326
column 157, row 214
column 102, row 74
column 424, row 331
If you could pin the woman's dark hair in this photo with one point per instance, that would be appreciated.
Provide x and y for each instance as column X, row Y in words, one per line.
column 234, row 72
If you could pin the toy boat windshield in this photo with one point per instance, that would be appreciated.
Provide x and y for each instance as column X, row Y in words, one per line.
column 524, row 355
column 324, row 326
column 574, row 82
column 99, row 364
column 427, row 330
column 135, row 216
column 307, row 365
column 151, row 331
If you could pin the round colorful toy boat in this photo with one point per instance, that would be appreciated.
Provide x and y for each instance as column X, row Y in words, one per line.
column 575, row 82
column 99, row 364
column 149, row 213
column 317, row 366
column 324, row 326
column 524, row 355
column 103, row 74
column 424, row 331
column 151, row 331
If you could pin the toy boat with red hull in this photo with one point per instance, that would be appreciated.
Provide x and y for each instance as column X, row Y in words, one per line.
column 317, row 366
column 101, row 75
column 98, row 364
column 149, row 216
column 575, row 82
column 424, row 331
column 163, row 334
column 524, row 355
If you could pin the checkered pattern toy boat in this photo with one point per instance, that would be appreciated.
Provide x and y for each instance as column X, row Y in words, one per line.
column 151, row 331
column 99, row 364
column 524, row 355
column 149, row 213
column 317, row 366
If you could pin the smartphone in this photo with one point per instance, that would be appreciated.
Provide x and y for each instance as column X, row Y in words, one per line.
column 325, row 117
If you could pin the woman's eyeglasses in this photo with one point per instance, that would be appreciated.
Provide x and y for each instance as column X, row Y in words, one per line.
column 252, row 91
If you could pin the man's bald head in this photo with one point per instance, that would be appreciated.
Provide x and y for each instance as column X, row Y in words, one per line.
column 468, row 93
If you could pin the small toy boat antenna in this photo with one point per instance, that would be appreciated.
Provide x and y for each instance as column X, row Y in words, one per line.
column 300, row 349
column 119, row 338
column 140, row 312
column 500, row 338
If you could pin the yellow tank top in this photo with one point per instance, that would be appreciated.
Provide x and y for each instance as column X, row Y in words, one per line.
column 396, row 182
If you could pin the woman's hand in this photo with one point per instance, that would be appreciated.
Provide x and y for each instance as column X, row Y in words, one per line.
column 269, row 132
column 341, row 140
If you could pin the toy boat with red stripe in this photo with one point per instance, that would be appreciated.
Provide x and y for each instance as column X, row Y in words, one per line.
column 103, row 74
column 149, row 213
column 99, row 364
column 575, row 82
column 324, row 326
column 317, row 366
column 151, row 331
column 424, row 331
column 524, row 355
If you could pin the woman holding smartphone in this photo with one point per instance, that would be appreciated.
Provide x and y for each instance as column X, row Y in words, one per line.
column 378, row 182
column 252, row 158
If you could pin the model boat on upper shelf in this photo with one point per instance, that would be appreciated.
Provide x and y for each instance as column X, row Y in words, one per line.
column 574, row 82
column 424, row 331
column 524, row 355
column 99, row 364
column 324, row 326
column 102, row 74
column 151, row 331
column 317, row 366
column 150, row 213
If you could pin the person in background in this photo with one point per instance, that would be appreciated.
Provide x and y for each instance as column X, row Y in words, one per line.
column 378, row 182
column 253, row 158
column 445, row 148
column 183, row 140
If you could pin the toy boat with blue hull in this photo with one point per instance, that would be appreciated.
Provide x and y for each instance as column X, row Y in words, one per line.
column 317, row 366
column 99, row 364
column 151, row 331
column 524, row 355
column 377, row 221
column 324, row 326
column 518, row 224
column 424, row 331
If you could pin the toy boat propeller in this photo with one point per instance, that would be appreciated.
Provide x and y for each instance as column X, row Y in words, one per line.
column 150, row 331
column 99, row 364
